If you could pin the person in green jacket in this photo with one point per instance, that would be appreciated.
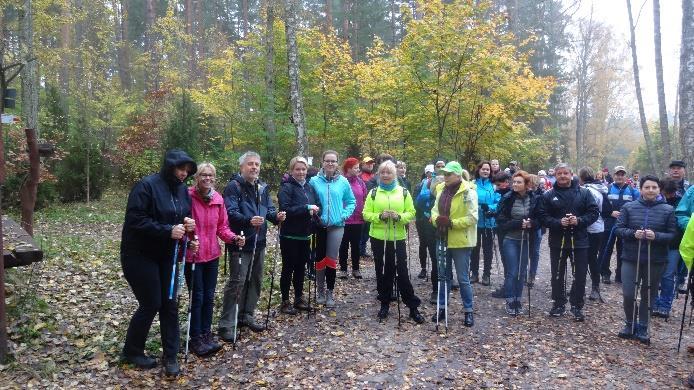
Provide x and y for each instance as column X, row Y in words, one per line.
column 455, row 216
column 389, row 208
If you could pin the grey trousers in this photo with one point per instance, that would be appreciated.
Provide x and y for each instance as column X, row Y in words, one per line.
column 238, row 290
column 628, row 278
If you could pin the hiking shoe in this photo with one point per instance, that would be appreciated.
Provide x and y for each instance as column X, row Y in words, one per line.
column 433, row 297
column 455, row 286
column 226, row 334
column 499, row 292
column 253, row 326
column 594, row 293
column 416, row 316
column 486, row 280
column 641, row 334
column 199, row 347
column 606, row 279
column 211, row 341
column 578, row 314
column 626, row 332
column 140, row 361
column 171, row 367
column 441, row 316
column 320, row 298
column 469, row 319
column 660, row 313
column 511, row 308
column 300, row 304
column 422, row 274
column 474, row 278
column 329, row 300
column 342, row 274
column 557, row 311
column 288, row 308
column 682, row 288
column 383, row 312
column 356, row 274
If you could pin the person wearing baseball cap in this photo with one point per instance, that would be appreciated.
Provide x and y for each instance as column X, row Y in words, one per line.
column 367, row 167
column 678, row 171
column 619, row 193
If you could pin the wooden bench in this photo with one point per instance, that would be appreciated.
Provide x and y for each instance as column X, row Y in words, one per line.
column 19, row 248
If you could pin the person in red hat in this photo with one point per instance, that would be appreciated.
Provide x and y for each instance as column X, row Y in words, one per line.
column 353, row 224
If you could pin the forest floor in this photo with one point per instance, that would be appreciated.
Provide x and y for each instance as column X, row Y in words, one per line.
column 68, row 317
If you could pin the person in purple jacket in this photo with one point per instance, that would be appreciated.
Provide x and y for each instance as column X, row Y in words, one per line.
column 353, row 224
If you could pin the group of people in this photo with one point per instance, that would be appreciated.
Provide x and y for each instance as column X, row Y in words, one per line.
column 322, row 214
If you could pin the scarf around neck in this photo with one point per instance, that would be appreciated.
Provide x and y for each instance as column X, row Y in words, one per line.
column 447, row 198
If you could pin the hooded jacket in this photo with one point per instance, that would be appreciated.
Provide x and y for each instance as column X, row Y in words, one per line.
column 394, row 200
column 359, row 191
column 684, row 209
column 463, row 215
column 242, row 204
column 155, row 204
column 687, row 246
column 211, row 221
column 558, row 202
column 486, row 196
column 423, row 200
column 654, row 215
column 294, row 199
column 336, row 198
column 599, row 192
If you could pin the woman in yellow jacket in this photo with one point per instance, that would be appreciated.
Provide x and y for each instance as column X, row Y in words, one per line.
column 389, row 209
column 455, row 217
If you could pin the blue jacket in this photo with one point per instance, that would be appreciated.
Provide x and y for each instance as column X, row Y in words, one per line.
column 619, row 197
column 486, row 196
column 241, row 203
column 685, row 208
column 336, row 198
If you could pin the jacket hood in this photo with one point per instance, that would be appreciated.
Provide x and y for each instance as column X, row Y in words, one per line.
column 321, row 174
column 175, row 158
column 291, row 180
column 574, row 184
column 213, row 197
column 598, row 186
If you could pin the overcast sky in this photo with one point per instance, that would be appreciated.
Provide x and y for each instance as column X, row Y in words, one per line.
column 614, row 12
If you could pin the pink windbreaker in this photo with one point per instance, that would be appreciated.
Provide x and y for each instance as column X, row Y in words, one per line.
column 211, row 221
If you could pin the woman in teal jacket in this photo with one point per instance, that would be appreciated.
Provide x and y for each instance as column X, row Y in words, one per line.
column 338, row 203
column 389, row 208
column 488, row 201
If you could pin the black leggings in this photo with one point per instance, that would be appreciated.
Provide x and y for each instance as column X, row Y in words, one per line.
column 386, row 271
column 350, row 238
column 427, row 242
column 485, row 237
column 295, row 253
column 149, row 279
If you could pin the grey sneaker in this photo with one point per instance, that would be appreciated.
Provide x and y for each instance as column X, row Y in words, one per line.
column 342, row 274
column 320, row 297
column 356, row 274
column 329, row 300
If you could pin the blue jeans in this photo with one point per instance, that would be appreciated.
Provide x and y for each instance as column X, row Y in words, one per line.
column 204, row 283
column 516, row 274
column 535, row 243
column 461, row 258
column 667, row 283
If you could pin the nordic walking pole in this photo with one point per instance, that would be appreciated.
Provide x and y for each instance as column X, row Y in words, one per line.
column 684, row 310
column 226, row 252
column 397, row 284
column 190, row 305
column 272, row 278
column 239, row 287
column 648, row 265
column 182, row 266
column 409, row 251
column 173, row 270
column 636, row 287
column 310, row 259
column 439, row 250
column 520, row 260
column 445, row 281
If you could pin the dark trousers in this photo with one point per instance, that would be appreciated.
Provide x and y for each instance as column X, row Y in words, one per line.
column 605, row 255
column 579, row 267
column 364, row 237
column 500, row 239
column 485, row 237
column 295, row 254
column 594, row 245
column 149, row 280
column 427, row 242
column 648, row 296
column 204, row 282
column 386, row 271
column 351, row 238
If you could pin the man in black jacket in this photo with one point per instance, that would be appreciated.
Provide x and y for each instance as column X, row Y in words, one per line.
column 248, row 205
column 567, row 210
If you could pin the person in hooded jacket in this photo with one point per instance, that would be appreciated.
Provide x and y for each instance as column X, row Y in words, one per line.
column 517, row 219
column 596, row 230
column 353, row 224
column 249, row 206
column 299, row 201
column 211, row 223
column 488, row 200
column 338, row 203
column 567, row 210
column 647, row 227
column 157, row 218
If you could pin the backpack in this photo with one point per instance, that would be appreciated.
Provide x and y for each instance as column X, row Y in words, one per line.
column 373, row 193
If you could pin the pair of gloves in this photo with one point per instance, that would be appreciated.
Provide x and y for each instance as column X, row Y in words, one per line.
column 386, row 215
column 487, row 212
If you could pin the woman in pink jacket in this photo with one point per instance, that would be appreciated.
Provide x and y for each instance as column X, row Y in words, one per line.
column 211, row 223
column 354, row 223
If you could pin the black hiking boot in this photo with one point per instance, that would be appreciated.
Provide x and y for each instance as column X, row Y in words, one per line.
column 211, row 341
column 252, row 325
column 499, row 292
column 627, row 331
column 416, row 316
column 422, row 274
column 288, row 308
column 383, row 312
column 606, row 279
column 199, row 347
column 441, row 316
column 557, row 311
column 171, row 367
column 578, row 314
column 641, row 334
column 469, row 319
column 474, row 278
column 140, row 361
column 486, row 280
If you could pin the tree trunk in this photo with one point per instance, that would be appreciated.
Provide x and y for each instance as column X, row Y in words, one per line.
column 393, row 24
column 328, row 15
column 63, row 72
column 121, row 21
column 30, row 186
column 637, row 83
column 686, row 89
column 345, row 19
column 151, row 71
column 191, row 45
column 30, row 87
column 244, row 18
column 662, row 109
column 269, row 114
column 298, row 116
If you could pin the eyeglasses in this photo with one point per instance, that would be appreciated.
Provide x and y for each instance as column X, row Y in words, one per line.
column 330, row 161
column 207, row 176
